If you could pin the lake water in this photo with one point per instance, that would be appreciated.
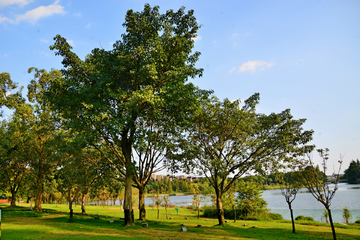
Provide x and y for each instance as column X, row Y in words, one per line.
column 305, row 204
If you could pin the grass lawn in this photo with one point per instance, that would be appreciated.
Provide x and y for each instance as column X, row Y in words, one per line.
column 20, row 223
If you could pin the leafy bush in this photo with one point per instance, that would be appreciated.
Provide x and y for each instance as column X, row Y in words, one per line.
column 357, row 221
column 211, row 212
column 275, row 216
column 302, row 218
column 249, row 199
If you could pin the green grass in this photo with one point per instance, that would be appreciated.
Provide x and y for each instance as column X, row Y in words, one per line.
column 53, row 223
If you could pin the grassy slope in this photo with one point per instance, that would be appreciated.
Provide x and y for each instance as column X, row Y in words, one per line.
column 53, row 224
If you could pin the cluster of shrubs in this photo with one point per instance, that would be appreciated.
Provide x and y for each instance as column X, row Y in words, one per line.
column 211, row 212
column 302, row 218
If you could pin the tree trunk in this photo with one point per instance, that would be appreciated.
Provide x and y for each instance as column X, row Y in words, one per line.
column 128, row 211
column 158, row 213
column 70, row 207
column 220, row 211
column 83, row 199
column 39, row 190
column 331, row 223
column 13, row 199
column 198, row 213
column 142, row 210
column 234, row 213
column 292, row 217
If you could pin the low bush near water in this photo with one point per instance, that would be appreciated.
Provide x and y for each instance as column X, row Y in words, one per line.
column 211, row 212
column 276, row 216
column 302, row 218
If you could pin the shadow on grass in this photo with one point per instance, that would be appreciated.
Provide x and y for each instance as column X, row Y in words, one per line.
column 56, row 225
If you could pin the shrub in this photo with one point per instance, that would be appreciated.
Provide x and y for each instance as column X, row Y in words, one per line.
column 346, row 214
column 302, row 218
column 211, row 212
column 275, row 216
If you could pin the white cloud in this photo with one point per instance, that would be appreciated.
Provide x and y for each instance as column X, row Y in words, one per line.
column 44, row 41
column 71, row 42
column 4, row 19
column 11, row 2
column 78, row 14
column 232, row 70
column 89, row 25
column 197, row 38
column 253, row 66
column 40, row 12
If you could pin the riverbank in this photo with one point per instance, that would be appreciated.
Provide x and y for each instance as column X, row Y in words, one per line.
column 54, row 223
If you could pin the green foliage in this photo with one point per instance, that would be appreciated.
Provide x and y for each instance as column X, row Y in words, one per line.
column 275, row 216
column 352, row 174
column 326, row 215
column 249, row 200
column 111, row 95
column 302, row 218
column 229, row 140
column 346, row 214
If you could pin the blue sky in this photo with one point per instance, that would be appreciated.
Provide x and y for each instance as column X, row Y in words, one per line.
column 303, row 55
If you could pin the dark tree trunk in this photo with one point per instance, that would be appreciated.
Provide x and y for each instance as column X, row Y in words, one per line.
column 220, row 211
column 70, row 207
column 142, row 210
column 83, row 200
column 234, row 213
column 28, row 199
column 158, row 214
column 13, row 198
column 292, row 217
column 331, row 223
column 39, row 190
column 128, row 211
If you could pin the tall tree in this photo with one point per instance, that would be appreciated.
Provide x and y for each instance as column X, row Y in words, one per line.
column 36, row 117
column 13, row 164
column 227, row 139
column 45, row 129
column 316, row 182
column 143, row 77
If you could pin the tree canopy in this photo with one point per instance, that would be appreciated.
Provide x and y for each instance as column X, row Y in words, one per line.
column 228, row 140
column 106, row 96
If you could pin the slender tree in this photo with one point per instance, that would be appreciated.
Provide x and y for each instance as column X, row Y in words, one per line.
column 316, row 182
column 290, row 187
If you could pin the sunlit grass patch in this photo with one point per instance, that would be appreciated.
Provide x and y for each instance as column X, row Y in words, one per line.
column 53, row 223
